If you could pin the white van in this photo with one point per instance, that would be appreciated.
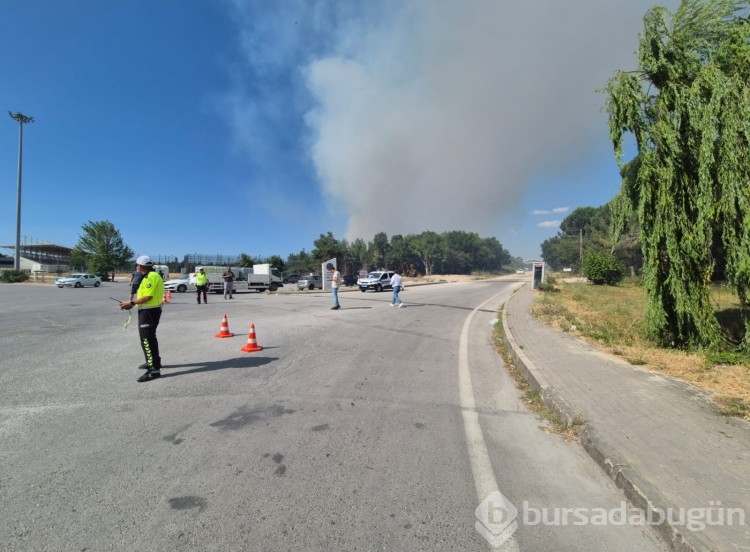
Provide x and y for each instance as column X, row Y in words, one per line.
column 162, row 270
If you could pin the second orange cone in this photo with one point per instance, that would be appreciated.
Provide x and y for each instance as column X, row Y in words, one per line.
column 252, row 343
column 224, row 328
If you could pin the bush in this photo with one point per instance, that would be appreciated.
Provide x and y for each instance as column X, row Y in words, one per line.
column 13, row 276
column 602, row 268
column 546, row 286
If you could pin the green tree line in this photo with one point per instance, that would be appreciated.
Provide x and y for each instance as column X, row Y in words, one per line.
column 453, row 252
column 102, row 250
column 589, row 230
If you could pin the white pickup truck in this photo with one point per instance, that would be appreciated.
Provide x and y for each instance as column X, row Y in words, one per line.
column 186, row 282
column 260, row 277
column 264, row 277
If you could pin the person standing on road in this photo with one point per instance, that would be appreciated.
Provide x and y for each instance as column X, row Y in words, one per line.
column 201, row 284
column 149, row 300
column 228, row 282
column 397, row 283
column 335, row 279
column 135, row 282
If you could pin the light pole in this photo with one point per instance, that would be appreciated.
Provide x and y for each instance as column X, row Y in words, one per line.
column 22, row 120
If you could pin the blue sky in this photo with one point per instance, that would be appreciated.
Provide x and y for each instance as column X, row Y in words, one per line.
column 254, row 126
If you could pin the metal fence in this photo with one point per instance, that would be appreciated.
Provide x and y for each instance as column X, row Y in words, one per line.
column 190, row 262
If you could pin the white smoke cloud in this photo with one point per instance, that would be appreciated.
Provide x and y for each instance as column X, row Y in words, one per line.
column 436, row 114
column 437, row 118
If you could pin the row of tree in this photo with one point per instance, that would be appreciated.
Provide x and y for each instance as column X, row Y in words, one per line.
column 102, row 250
column 589, row 230
column 454, row 252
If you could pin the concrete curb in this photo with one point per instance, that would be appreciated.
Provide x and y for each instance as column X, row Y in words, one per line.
column 638, row 491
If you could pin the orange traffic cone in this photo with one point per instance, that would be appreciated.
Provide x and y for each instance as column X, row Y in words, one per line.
column 165, row 300
column 169, row 296
column 252, row 344
column 224, row 329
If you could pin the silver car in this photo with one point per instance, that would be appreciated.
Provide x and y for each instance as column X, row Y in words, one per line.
column 78, row 280
column 310, row 282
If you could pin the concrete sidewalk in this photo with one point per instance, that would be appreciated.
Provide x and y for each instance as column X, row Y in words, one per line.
column 657, row 437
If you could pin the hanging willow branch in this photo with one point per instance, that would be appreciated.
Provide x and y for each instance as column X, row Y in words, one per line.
column 688, row 109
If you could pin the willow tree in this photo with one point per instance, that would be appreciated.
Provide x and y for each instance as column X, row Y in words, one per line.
column 688, row 109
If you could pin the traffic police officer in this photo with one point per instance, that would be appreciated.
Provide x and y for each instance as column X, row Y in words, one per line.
column 149, row 300
column 201, row 284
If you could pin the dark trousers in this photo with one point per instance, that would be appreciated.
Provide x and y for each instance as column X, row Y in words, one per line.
column 148, row 321
column 202, row 290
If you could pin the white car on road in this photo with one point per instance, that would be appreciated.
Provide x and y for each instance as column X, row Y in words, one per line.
column 377, row 281
column 181, row 284
column 79, row 280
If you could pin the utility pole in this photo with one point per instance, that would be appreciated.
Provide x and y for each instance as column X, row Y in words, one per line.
column 580, row 246
column 22, row 120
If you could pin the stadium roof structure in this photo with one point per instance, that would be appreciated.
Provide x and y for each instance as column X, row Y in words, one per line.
column 43, row 252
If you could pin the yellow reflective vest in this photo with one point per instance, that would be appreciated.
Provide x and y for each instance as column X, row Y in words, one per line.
column 151, row 286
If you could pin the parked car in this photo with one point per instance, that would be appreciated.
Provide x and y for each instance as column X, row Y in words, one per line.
column 310, row 282
column 79, row 280
column 180, row 285
column 349, row 280
column 290, row 278
column 377, row 281
column 520, row 271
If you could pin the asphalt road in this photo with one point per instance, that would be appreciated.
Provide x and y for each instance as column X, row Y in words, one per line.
column 366, row 428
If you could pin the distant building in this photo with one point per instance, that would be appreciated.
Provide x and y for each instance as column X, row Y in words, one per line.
column 45, row 256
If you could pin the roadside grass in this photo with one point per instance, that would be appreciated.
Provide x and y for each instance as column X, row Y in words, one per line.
column 612, row 318
column 532, row 398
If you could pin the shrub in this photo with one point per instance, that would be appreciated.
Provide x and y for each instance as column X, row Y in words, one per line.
column 13, row 276
column 602, row 268
column 546, row 286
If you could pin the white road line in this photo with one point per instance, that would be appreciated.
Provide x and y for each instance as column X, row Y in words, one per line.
column 481, row 466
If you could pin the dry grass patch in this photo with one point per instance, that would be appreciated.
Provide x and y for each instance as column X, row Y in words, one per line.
column 532, row 398
column 434, row 278
column 612, row 318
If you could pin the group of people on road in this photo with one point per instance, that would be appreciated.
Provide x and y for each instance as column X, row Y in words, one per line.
column 201, row 284
column 397, row 283
column 147, row 291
